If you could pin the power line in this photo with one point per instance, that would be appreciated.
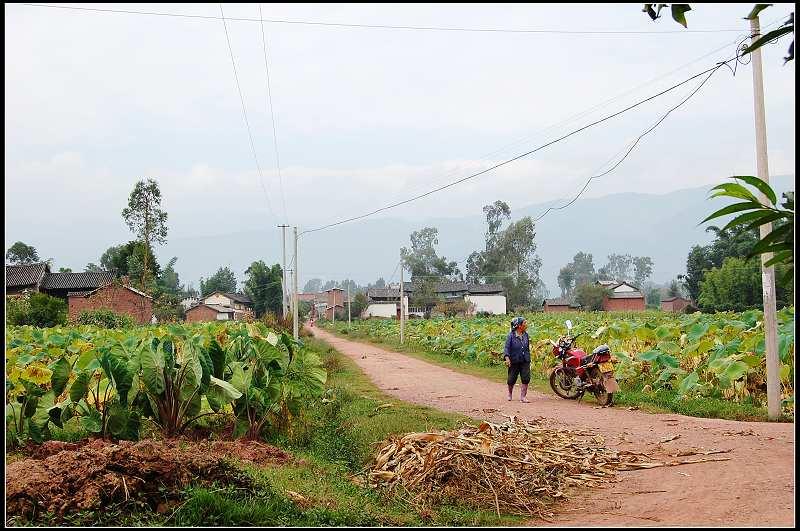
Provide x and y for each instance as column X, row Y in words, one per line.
column 244, row 113
column 539, row 148
column 272, row 114
column 392, row 27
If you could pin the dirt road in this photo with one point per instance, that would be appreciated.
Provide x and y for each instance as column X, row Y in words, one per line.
column 754, row 488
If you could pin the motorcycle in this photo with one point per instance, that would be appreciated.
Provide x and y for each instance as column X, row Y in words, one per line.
column 579, row 372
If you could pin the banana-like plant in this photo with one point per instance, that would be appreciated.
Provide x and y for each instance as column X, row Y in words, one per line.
column 175, row 373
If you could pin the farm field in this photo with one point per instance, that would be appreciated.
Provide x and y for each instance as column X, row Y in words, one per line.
column 693, row 357
column 92, row 424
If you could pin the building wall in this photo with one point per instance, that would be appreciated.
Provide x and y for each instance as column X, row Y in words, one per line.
column 494, row 304
column 200, row 314
column 556, row 308
column 626, row 305
column 219, row 299
column 623, row 289
column 385, row 309
column 674, row 306
column 334, row 298
column 116, row 298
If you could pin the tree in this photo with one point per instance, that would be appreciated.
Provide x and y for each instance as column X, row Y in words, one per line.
column 679, row 15
column 41, row 310
column 21, row 253
column 653, row 296
column 64, row 270
column 380, row 283
column 426, row 267
column 145, row 218
column 736, row 286
column 264, row 287
column 583, row 266
column 313, row 286
column 675, row 289
column 566, row 280
column 223, row 280
column 508, row 257
column 191, row 291
column 642, row 269
column 358, row 305
column 590, row 296
column 91, row 267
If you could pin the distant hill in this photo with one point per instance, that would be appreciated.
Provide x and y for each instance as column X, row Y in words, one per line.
column 662, row 226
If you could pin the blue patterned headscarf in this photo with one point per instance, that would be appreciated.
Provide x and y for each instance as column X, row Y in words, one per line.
column 516, row 322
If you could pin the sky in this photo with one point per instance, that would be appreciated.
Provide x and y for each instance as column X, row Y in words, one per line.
column 364, row 117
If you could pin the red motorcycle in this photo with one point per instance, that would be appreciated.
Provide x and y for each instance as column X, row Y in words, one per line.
column 579, row 372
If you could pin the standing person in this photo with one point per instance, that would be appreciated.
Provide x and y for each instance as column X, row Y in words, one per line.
column 517, row 355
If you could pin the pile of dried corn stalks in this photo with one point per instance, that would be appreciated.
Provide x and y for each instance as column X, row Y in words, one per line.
column 517, row 467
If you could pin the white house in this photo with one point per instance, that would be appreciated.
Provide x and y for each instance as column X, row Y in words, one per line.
column 384, row 302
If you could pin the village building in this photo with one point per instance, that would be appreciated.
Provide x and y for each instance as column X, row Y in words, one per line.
column 210, row 312
column 674, row 304
column 559, row 304
column 385, row 302
column 115, row 296
column 622, row 297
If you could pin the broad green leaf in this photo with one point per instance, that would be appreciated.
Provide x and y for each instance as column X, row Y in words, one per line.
column 730, row 209
column 785, row 371
column 217, row 354
column 688, row 383
column 117, row 369
column 153, row 370
column 92, row 422
column 123, row 423
column 735, row 370
column 61, row 371
column 734, row 190
column 80, row 386
column 669, row 347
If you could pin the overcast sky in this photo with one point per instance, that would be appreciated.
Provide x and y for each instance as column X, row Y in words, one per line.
column 364, row 117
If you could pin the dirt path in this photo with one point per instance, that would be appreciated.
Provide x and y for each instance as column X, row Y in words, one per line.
column 754, row 488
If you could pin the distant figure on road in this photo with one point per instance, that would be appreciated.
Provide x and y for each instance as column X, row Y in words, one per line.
column 517, row 356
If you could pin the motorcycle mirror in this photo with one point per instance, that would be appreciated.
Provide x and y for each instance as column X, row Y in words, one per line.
column 569, row 324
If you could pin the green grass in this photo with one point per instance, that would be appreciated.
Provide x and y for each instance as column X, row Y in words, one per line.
column 658, row 401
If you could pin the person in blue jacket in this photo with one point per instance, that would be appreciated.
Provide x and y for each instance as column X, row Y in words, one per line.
column 517, row 356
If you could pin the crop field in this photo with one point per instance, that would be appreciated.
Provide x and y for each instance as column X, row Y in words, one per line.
column 696, row 355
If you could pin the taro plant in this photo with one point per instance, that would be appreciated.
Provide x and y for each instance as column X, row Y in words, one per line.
column 175, row 372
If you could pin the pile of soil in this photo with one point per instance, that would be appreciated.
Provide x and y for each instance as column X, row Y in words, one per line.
column 63, row 478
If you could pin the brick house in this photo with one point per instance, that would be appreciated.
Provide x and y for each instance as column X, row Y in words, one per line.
column 114, row 296
column 209, row 312
column 241, row 304
column 559, row 304
column 622, row 297
column 674, row 304
column 62, row 284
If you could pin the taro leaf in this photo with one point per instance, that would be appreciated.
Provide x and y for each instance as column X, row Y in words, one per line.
column 669, row 347
column 663, row 332
column 230, row 392
column 668, row 373
column 752, row 361
column 735, row 370
column 116, row 368
column 679, row 13
column 784, row 342
column 697, row 331
column 153, row 370
column 240, row 427
column 241, row 378
column 80, row 386
column 122, row 422
column 688, row 383
column 785, row 370
column 217, row 354
column 290, row 344
column 67, row 410
column 92, row 422
column 194, row 406
column 61, row 371
column 668, row 361
column 56, row 414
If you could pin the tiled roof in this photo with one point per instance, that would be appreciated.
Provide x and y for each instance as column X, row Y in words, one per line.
column 88, row 293
column 558, row 301
column 670, row 299
column 216, row 307
column 239, row 297
column 485, row 288
column 444, row 287
column 626, row 295
column 25, row 275
column 83, row 280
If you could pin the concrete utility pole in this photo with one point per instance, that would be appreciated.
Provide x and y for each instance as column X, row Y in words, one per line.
column 284, row 285
column 333, row 311
column 402, row 310
column 295, row 328
column 767, row 273
column 348, row 305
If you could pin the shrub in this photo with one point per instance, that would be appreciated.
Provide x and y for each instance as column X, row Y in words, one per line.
column 590, row 296
column 105, row 318
column 39, row 309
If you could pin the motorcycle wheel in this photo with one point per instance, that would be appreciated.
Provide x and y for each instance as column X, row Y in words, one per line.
column 561, row 383
column 604, row 398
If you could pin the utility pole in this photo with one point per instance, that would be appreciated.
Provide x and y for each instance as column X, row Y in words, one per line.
column 402, row 310
column 348, row 305
column 767, row 273
column 295, row 328
column 284, row 285
column 333, row 310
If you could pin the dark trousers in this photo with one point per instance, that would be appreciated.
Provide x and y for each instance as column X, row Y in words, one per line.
column 522, row 369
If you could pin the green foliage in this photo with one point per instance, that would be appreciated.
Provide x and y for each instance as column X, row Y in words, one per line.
column 752, row 214
column 21, row 253
column 590, row 296
column 223, row 280
column 105, row 318
column 144, row 217
column 109, row 379
column 264, row 287
column 358, row 305
column 736, row 286
column 37, row 309
column 119, row 259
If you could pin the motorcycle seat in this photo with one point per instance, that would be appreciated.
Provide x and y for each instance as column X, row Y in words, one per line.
column 602, row 349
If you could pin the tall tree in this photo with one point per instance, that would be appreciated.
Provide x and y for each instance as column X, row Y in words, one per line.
column 566, row 280
column 264, row 287
column 427, row 268
column 91, row 267
column 223, row 280
column 168, row 280
column 21, row 253
column 313, row 286
column 144, row 217
column 642, row 269
column 583, row 265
